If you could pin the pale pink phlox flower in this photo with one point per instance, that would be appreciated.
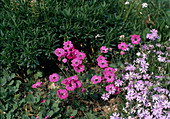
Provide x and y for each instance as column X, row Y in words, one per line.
column 105, row 96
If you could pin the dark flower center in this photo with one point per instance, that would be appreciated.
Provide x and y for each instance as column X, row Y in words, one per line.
column 68, row 46
column 54, row 77
column 96, row 80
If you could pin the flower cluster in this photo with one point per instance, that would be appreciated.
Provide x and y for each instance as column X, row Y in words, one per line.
column 71, row 84
column 153, row 35
column 69, row 52
column 108, row 76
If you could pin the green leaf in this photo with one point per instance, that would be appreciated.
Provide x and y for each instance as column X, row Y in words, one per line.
column 3, row 81
column 74, row 113
column 8, row 116
column 37, row 75
column 11, row 82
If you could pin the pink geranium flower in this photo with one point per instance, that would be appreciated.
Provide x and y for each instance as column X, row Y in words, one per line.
column 76, row 62
column 80, row 55
column 71, row 86
column 36, row 85
column 60, row 52
column 79, row 68
column 109, row 77
column 108, row 69
column 67, row 45
column 78, row 84
column 109, row 87
column 100, row 58
column 62, row 93
column 96, row 79
column 122, row 46
column 104, row 49
column 102, row 64
column 54, row 77
column 71, row 55
column 75, row 78
column 135, row 39
column 66, row 81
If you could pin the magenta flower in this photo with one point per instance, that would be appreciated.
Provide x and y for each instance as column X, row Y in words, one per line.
column 67, row 45
column 46, row 116
column 80, row 55
column 135, row 39
column 122, row 46
column 71, row 86
column 83, row 90
column 66, row 81
column 71, row 55
column 78, row 84
column 60, row 52
column 36, row 85
column 109, row 87
column 104, row 49
column 102, row 64
column 54, row 77
column 108, row 69
column 100, row 58
column 76, row 62
column 75, row 78
column 96, row 79
column 109, row 77
column 43, row 101
column 62, row 93
column 79, row 68
column 64, row 60
column 37, row 117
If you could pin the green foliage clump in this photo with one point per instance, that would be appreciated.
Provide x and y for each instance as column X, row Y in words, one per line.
column 31, row 30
